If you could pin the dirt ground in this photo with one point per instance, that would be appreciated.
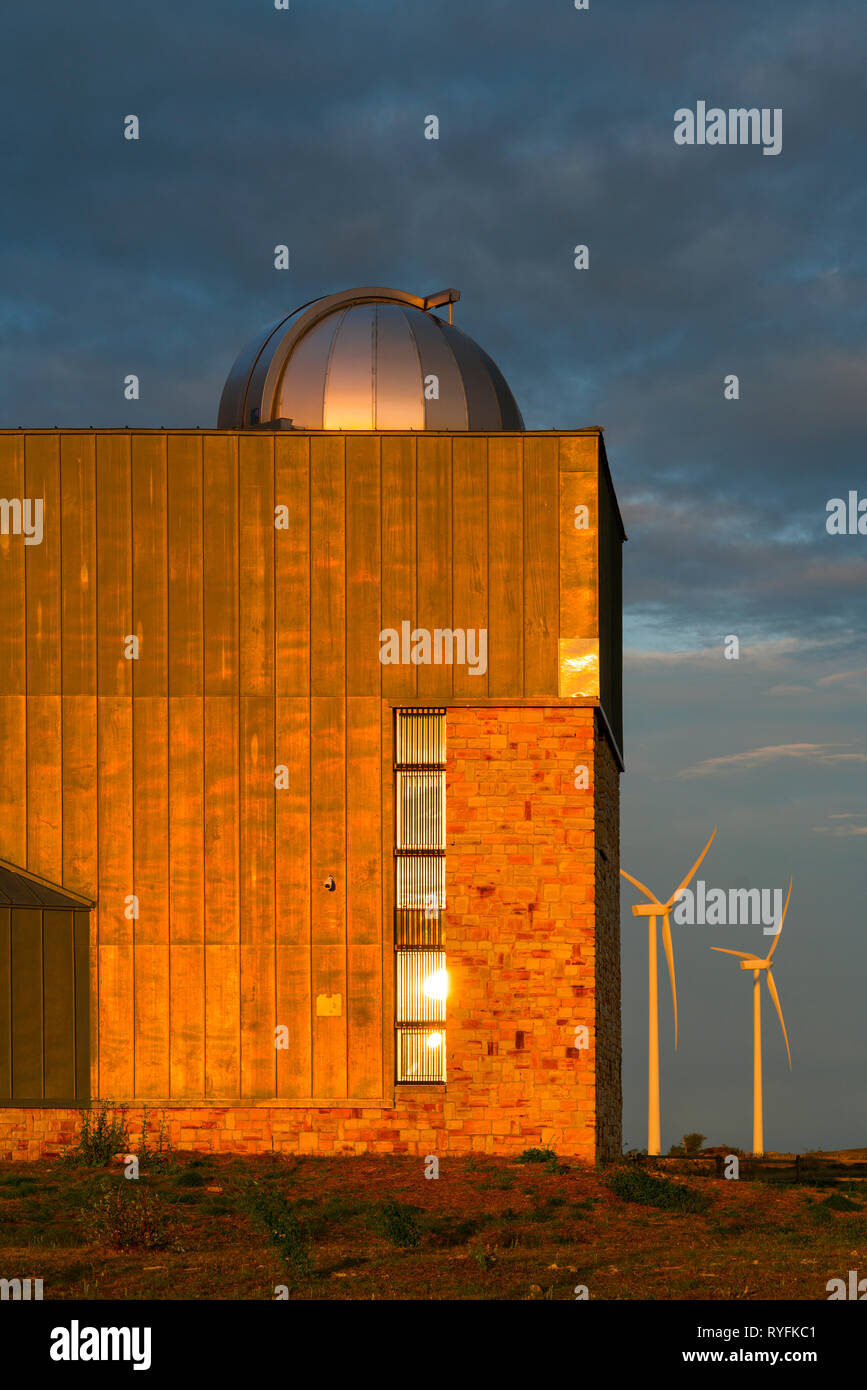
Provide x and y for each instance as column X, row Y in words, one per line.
column 484, row 1229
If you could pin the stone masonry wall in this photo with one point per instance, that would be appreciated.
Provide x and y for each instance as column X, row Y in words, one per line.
column 609, row 1094
column 532, row 948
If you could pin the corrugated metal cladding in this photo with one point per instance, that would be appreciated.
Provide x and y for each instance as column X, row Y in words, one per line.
column 260, row 647
column 44, row 994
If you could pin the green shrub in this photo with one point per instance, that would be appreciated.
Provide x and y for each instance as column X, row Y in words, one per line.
column 537, row 1156
column 547, row 1211
column 127, row 1217
column 635, row 1185
column 396, row 1223
column 444, row 1232
column 275, row 1214
column 104, row 1133
column 191, row 1177
column 839, row 1202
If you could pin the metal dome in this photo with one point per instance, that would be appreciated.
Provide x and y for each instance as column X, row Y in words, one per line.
column 367, row 359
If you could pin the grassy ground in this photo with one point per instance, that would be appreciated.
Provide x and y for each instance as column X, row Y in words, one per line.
column 362, row 1228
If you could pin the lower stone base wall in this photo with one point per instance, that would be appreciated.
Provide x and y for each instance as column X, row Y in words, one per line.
column 419, row 1127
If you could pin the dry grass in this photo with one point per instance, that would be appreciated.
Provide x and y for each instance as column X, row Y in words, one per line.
column 487, row 1229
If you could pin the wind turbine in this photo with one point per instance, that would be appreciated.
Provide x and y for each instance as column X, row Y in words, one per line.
column 750, row 961
column 651, row 910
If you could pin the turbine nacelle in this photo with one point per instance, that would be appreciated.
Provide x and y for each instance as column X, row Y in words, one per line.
column 747, row 960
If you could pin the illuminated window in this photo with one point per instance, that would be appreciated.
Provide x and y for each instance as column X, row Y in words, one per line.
column 421, row 980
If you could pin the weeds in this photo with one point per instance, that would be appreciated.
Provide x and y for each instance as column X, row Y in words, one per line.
column 396, row 1223
column 126, row 1218
column 537, row 1156
column 275, row 1214
column 635, row 1185
column 104, row 1132
column 163, row 1151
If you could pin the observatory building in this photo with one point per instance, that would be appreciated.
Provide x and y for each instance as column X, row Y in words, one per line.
column 310, row 728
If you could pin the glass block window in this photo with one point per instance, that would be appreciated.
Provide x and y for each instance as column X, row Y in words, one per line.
column 421, row 980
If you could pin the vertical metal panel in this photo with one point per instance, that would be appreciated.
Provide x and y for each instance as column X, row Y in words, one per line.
column 186, row 894
column 220, row 565
column 505, row 567
column 258, row 961
column 58, row 1005
column 434, row 538
column 328, row 571
column 151, row 878
column 152, row 1019
column 363, row 578
column 222, row 1022
column 78, row 563
column 222, row 893
column 187, row 1020
column 78, row 666
column 115, row 930
column 293, row 894
column 42, row 566
column 185, row 498
column 5, row 1004
column 328, row 845
column 364, row 897
column 149, row 544
column 292, row 567
column 114, row 566
column 399, row 554
column 186, row 993
column 541, row 566
column 221, row 823
column 44, row 787
column 13, row 718
column 186, row 866
column 256, row 563
column 27, row 1074
column 470, row 533
column 116, row 1020
column 116, row 1003
column 83, row 1004
column 578, row 551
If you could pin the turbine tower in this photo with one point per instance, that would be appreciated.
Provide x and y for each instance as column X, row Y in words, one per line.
column 749, row 961
column 651, row 910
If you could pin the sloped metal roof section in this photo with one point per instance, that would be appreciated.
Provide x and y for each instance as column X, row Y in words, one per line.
column 20, row 889
column 367, row 359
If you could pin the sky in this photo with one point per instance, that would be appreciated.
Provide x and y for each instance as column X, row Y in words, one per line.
column 305, row 127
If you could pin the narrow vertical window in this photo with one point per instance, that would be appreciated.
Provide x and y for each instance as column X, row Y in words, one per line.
column 421, row 982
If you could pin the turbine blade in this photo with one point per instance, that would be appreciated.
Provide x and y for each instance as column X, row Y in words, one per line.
column 669, row 956
column 744, row 955
column 776, row 998
column 682, row 885
column 782, row 920
column 640, row 886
